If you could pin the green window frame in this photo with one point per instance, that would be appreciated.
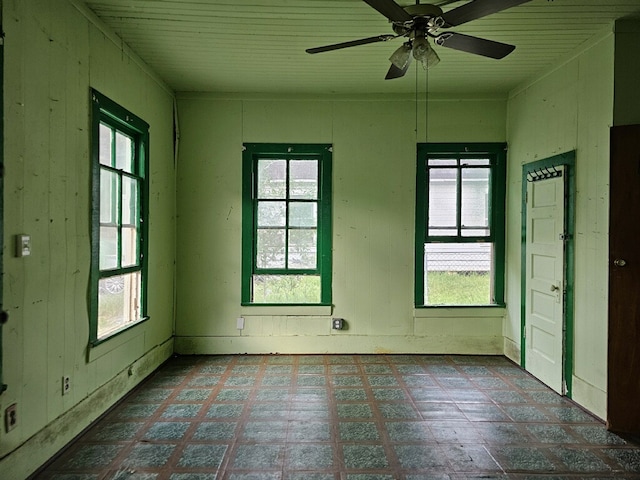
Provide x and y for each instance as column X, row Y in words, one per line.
column 119, row 219
column 286, row 224
column 460, row 224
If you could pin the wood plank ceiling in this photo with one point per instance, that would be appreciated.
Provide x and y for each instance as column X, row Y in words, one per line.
column 259, row 46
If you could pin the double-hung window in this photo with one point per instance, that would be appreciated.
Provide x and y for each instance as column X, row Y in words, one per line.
column 460, row 224
column 286, row 231
column 120, row 148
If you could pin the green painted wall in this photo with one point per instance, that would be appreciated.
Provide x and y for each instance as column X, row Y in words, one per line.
column 374, row 158
column 569, row 108
column 53, row 55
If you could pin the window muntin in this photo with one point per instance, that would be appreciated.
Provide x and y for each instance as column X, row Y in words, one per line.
column 460, row 224
column 286, row 224
column 118, row 271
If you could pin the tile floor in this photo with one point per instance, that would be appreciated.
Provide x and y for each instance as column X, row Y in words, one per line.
column 345, row 417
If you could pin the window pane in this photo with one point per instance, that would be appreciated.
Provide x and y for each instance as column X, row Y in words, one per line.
column 443, row 198
column 303, row 179
column 302, row 249
column 272, row 179
column 303, row 214
column 457, row 273
column 270, row 248
column 109, row 197
column 272, row 214
column 475, row 197
column 108, row 248
column 475, row 161
column 119, row 303
column 129, row 201
column 129, row 246
column 105, row 145
column 124, row 153
column 286, row 288
column 442, row 161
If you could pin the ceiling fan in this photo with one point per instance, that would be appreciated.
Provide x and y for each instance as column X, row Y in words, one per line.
column 420, row 22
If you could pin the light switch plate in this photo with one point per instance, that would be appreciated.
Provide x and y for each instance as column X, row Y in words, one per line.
column 23, row 245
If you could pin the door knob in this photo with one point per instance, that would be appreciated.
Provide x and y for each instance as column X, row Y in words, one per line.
column 555, row 288
column 618, row 262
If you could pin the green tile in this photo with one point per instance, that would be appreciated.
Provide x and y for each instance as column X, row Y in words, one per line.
column 193, row 476
column 528, row 383
column 310, row 476
column 429, row 395
column 389, row 394
column 454, row 382
column 167, row 380
column 310, row 395
column 194, row 394
column 269, row 410
column 419, row 381
column 525, row 413
column 92, row 456
column 273, row 395
column 571, row 414
column 167, row 430
column 356, row 410
column 280, row 359
column 442, row 370
column 152, row 395
column 240, row 381
column 312, row 369
column 476, row 371
column 202, row 456
column 117, row 431
column 581, row 460
column 502, row 433
column 511, row 371
column 358, row 431
column 76, row 476
column 455, row 433
column 148, row 455
column 255, row 476
column 350, row 394
column 470, row 395
column 204, row 381
column 627, row 458
column 181, row 411
column 549, row 398
column 311, row 381
column 371, row 359
column 249, row 359
column 224, row 410
column 310, row 360
column 482, row 412
column 342, row 369
column 308, row 431
column 550, row 434
column 310, row 411
column 258, row 457
column 245, row 369
column 379, row 369
column 309, row 457
column 598, row 435
column 411, row 369
column 382, row 381
column 362, row 457
column 397, row 410
column 409, row 431
column 279, row 369
column 524, row 458
column 439, row 411
column 422, row 457
column 215, row 431
column 213, row 369
column 265, row 431
column 470, row 458
column 233, row 395
column 341, row 359
column 490, row 383
column 276, row 380
column 369, row 476
column 138, row 410
column 130, row 474
column 506, row 396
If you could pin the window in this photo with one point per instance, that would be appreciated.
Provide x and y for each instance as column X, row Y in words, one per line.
column 119, row 146
column 460, row 224
column 286, row 228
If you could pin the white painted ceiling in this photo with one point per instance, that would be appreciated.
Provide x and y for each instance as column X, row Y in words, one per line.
column 258, row 46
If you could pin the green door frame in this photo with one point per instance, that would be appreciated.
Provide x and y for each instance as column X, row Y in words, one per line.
column 568, row 160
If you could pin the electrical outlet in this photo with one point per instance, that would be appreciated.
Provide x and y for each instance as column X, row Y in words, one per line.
column 240, row 323
column 66, row 385
column 11, row 417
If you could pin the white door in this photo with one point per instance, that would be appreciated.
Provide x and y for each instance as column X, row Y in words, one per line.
column 544, row 317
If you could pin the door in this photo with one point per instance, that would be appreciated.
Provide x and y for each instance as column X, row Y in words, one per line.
column 544, row 314
column 623, row 389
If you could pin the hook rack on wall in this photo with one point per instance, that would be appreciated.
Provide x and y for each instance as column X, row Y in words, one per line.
column 544, row 173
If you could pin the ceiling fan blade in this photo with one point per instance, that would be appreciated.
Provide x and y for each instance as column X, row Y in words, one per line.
column 352, row 43
column 390, row 9
column 477, row 9
column 479, row 46
column 395, row 72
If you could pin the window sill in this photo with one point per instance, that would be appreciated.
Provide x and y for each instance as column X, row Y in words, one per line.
column 305, row 310
column 106, row 345
column 445, row 311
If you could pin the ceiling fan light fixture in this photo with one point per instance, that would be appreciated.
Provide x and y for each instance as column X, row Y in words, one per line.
column 423, row 52
column 400, row 58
